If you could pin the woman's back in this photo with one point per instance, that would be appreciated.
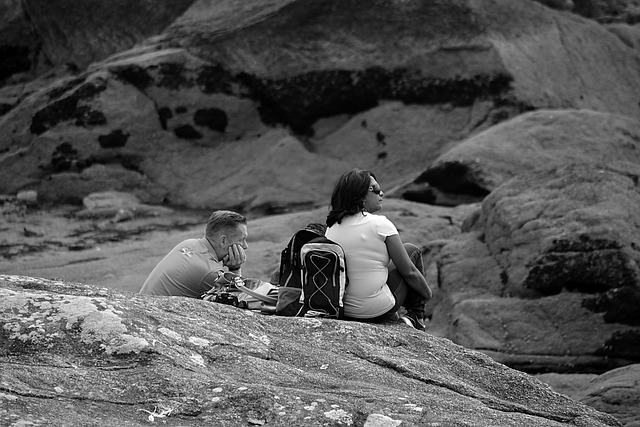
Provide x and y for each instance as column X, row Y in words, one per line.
column 362, row 237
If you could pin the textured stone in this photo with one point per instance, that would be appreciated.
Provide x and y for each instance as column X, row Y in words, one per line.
column 79, row 354
column 535, row 140
column 392, row 88
column 617, row 392
column 546, row 278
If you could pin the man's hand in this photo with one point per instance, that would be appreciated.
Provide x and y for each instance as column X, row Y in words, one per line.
column 235, row 258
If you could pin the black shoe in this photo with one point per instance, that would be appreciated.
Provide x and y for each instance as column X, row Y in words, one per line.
column 412, row 318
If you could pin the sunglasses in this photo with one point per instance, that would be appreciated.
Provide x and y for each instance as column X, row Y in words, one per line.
column 378, row 191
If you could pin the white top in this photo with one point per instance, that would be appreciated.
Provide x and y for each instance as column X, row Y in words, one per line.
column 362, row 237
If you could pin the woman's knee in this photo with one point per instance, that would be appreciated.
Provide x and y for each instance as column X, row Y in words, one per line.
column 415, row 255
column 411, row 249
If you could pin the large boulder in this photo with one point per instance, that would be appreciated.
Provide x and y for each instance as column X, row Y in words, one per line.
column 39, row 37
column 17, row 39
column 572, row 228
column 546, row 277
column 616, row 392
column 223, row 98
column 533, row 141
column 609, row 10
column 73, row 354
column 629, row 34
column 434, row 51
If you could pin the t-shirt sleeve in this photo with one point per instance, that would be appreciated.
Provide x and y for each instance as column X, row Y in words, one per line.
column 208, row 280
column 384, row 227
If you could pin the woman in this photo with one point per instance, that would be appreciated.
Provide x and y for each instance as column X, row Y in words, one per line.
column 384, row 273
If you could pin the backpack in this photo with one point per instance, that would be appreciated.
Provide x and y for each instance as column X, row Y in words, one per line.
column 290, row 272
column 324, row 278
column 312, row 275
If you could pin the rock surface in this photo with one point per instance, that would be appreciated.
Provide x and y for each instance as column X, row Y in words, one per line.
column 74, row 354
column 521, row 116
column 38, row 37
column 548, row 274
column 537, row 335
column 615, row 392
column 533, row 141
column 609, row 10
column 390, row 87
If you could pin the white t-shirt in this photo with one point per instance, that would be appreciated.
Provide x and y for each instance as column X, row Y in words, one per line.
column 362, row 238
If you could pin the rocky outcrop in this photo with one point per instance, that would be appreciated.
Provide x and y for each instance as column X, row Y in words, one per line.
column 609, row 10
column 437, row 52
column 40, row 37
column 17, row 37
column 533, row 141
column 558, row 4
column 525, row 115
column 629, row 34
column 77, row 354
column 615, row 392
column 385, row 87
column 547, row 276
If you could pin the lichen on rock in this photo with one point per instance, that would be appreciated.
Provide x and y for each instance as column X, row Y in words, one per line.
column 33, row 320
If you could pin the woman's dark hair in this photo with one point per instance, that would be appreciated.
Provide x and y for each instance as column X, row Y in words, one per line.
column 348, row 195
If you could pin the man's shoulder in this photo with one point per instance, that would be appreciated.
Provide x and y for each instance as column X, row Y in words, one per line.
column 181, row 272
column 191, row 247
column 193, row 242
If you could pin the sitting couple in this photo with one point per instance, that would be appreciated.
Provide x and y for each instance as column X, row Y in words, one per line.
column 384, row 273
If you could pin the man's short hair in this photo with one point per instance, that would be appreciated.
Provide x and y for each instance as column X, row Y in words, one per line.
column 222, row 220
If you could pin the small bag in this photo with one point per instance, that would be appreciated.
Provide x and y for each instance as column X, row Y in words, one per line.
column 245, row 293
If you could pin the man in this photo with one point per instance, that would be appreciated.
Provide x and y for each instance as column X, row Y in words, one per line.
column 190, row 268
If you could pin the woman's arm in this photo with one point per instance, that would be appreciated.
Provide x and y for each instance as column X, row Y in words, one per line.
column 407, row 270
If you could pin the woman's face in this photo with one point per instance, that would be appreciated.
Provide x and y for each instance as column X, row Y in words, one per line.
column 373, row 200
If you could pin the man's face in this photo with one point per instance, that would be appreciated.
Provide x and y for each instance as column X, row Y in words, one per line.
column 237, row 235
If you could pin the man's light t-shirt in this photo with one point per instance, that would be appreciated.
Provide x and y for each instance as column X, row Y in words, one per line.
column 188, row 270
column 362, row 237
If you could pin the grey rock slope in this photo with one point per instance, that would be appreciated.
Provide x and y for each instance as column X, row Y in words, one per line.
column 79, row 355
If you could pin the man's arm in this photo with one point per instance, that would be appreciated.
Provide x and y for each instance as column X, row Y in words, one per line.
column 235, row 258
column 237, row 271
